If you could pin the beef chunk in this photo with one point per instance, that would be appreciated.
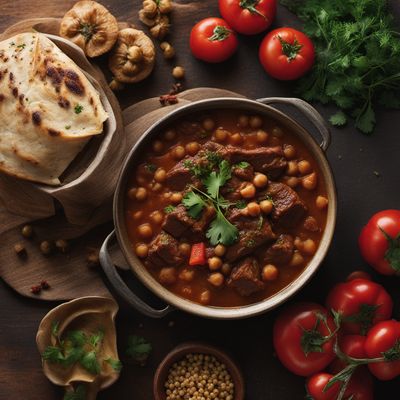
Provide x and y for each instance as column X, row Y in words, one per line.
column 179, row 223
column 269, row 160
column 280, row 252
column 245, row 277
column 253, row 232
column 164, row 250
column 231, row 190
column 246, row 173
column 288, row 209
column 311, row 224
column 179, row 175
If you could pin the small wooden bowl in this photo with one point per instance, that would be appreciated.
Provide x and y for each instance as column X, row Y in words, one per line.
column 196, row 348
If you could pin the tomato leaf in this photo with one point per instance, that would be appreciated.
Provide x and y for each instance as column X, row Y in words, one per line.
column 393, row 354
column 365, row 317
column 392, row 255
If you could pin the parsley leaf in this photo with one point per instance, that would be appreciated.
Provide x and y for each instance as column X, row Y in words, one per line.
column 194, row 204
column 241, row 165
column 116, row 365
column 240, row 204
column 90, row 363
column 78, row 109
column 338, row 119
column 222, row 231
column 168, row 209
column 151, row 167
column 139, row 349
column 218, row 179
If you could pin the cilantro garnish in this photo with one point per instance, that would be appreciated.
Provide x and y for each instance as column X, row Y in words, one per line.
column 139, row 349
column 240, row 204
column 241, row 165
column 78, row 394
column 168, row 209
column 151, row 167
column 194, row 204
column 78, row 109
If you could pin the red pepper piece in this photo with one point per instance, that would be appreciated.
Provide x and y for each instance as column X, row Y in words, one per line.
column 198, row 254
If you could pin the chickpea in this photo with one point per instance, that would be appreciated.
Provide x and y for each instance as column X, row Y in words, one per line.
column 186, row 275
column 243, row 121
column 236, row 138
column 27, row 231
column 214, row 263
column 176, row 198
column 185, row 248
column 170, row 134
column 255, row 122
column 310, row 181
column 158, row 146
column 219, row 250
column 137, row 215
column 167, row 195
column 248, row 192
column 321, row 202
column 132, row 193
column 178, row 72
column 216, row 279
column 157, row 217
column 253, row 209
column 186, row 291
column 304, row 167
column 266, row 206
column 167, row 275
column 309, row 247
column 141, row 194
column 289, row 151
column 292, row 181
column 269, row 273
column 145, row 231
column 208, row 124
column 297, row 260
column 192, row 148
column 156, row 187
column 221, row 135
column 278, row 132
column 292, row 168
column 205, row 297
column 226, row 269
column 178, row 152
column 262, row 136
column 160, row 175
column 168, row 50
column 260, row 180
column 298, row 243
column 142, row 250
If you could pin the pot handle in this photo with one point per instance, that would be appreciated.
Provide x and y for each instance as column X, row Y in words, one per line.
column 309, row 111
column 121, row 287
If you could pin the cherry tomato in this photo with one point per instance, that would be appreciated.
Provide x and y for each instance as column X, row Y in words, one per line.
column 362, row 303
column 213, row 40
column 316, row 387
column 384, row 340
column 248, row 16
column 351, row 345
column 304, row 335
column 379, row 242
column 286, row 53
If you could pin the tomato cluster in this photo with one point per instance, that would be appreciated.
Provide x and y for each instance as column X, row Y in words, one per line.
column 285, row 53
column 339, row 349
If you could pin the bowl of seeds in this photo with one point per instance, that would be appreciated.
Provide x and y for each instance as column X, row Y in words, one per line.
column 198, row 371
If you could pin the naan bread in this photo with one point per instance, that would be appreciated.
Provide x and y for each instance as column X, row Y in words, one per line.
column 48, row 109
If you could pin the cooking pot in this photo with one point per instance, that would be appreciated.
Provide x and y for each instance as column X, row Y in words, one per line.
column 261, row 107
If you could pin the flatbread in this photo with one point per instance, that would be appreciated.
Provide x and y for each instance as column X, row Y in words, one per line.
column 48, row 109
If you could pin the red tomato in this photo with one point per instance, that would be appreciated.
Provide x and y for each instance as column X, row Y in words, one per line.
column 351, row 345
column 362, row 303
column 361, row 385
column 286, row 53
column 316, row 387
column 359, row 274
column 198, row 254
column 379, row 242
column 248, row 16
column 213, row 40
column 384, row 340
column 303, row 341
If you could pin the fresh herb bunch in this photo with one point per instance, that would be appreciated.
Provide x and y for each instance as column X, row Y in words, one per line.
column 78, row 347
column 357, row 57
column 138, row 349
column 220, row 230
column 77, row 394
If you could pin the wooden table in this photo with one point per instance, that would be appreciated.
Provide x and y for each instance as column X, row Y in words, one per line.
column 354, row 159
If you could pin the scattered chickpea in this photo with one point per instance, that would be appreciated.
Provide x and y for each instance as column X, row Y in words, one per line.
column 309, row 247
column 292, row 181
column 255, row 122
column 226, row 269
column 219, row 250
column 167, row 275
column 260, row 180
column 236, row 138
column 178, row 72
column 321, row 202
column 243, row 121
column 292, row 168
column 278, row 132
column 304, row 167
column 221, row 135
column 179, row 152
column 27, row 231
column 216, row 279
column 176, row 198
column 170, row 134
column 157, row 217
column 266, row 206
column 62, row 245
column 142, row 250
column 262, row 136
column 141, row 194
column 289, row 151
column 208, row 124
column 185, row 248
column 309, row 182
column 158, row 146
column 186, row 275
column 145, row 231
column 205, row 297
column 168, row 50
column 248, row 192
column 214, row 263
column 160, row 175
column 20, row 249
column 46, row 247
column 192, row 148
column 253, row 209
column 297, row 260
column 270, row 273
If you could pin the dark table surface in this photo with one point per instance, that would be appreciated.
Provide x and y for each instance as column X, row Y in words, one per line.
column 353, row 157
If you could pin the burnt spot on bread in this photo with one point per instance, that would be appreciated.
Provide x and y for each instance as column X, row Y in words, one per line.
column 56, row 75
column 91, row 101
column 63, row 102
column 2, row 97
column 15, row 92
column 11, row 77
column 21, row 99
column 36, row 118
column 73, row 82
column 53, row 132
